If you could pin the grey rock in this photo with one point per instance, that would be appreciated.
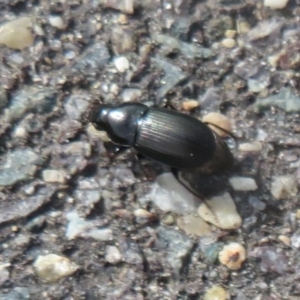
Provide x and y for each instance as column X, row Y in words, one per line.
column 93, row 58
column 177, row 245
column 18, row 165
column 18, row 293
column 22, row 208
column 285, row 100
column 31, row 99
column 131, row 252
column 173, row 76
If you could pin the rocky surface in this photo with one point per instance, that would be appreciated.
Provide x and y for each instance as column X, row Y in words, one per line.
column 79, row 224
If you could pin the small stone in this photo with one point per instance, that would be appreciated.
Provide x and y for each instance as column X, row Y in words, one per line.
column 4, row 273
column 285, row 239
column 56, row 21
column 54, row 176
column 298, row 213
column 169, row 195
column 122, row 19
column 276, row 4
column 220, row 121
column 131, row 94
column 232, row 256
column 96, row 134
column 125, row 6
column 256, row 203
column 121, row 64
column 142, row 216
column 216, row 293
column 229, row 43
column 193, row 225
column 243, row 184
column 113, row 255
column 285, row 99
column 168, row 219
column 17, row 34
column 230, row 33
column 190, row 105
column 103, row 234
column 52, row 267
column 284, row 186
column 255, row 146
column 220, row 211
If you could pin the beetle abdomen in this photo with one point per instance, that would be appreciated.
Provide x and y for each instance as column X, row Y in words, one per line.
column 175, row 139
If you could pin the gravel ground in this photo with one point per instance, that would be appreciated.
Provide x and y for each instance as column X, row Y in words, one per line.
column 79, row 224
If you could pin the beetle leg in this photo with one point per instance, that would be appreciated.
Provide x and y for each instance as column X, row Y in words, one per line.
column 185, row 184
column 201, row 185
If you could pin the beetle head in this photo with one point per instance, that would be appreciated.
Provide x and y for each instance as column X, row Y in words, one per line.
column 98, row 116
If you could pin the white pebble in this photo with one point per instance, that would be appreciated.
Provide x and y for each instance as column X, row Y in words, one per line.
column 112, row 254
column 54, row 176
column 17, row 34
column 57, row 21
column 104, row 234
column 169, row 195
column 284, row 186
column 276, row 4
column 121, row 64
column 251, row 147
column 229, row 43
column 52, row 267
column 193, row 225
column 243, row 184
column 220, row 211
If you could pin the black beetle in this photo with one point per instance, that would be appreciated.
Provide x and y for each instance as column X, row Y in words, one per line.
column 172, row 138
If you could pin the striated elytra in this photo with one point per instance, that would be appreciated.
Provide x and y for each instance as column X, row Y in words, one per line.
column 172, row 138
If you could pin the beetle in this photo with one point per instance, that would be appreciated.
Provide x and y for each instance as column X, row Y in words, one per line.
column 178, row 140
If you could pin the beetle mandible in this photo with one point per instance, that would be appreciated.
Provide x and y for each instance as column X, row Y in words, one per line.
column 170, row 137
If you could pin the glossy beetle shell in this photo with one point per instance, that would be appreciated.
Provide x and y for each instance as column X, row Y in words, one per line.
column 172, row 138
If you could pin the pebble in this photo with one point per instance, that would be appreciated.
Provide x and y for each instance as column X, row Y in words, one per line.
column 216, row 293
column 284, row 186
column 56, row 21
column 77, row 104
column 17, row 34
column 142, row 216
column 38, row 99
column 256, row 203
column 54, row 176
column 285, row 239
column 193, row 225
column 230, row 33
column 286, row 99
column 17, row 293
column 276, row 4
column 229, row 43
column 4, row 272
column 112, row 255
column 169, row 195
column 125, row 6
column 219, row 120
column 121, row 64
column 243, row 184
column 190, row 105
column 131, row 94
column 52, row 267
column 103, row 234
column 18, row 165
column 232, row 256
column 220, row 211
column 255, row 146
